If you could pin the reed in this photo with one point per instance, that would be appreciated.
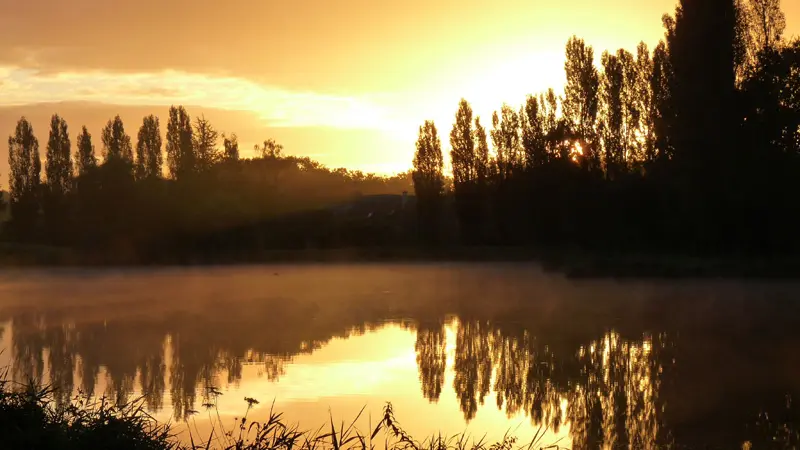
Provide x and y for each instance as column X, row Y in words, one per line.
column 30, row 418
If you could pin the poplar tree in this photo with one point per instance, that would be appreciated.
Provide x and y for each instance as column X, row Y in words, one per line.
column 428, row 179
column 116, row 143
column 580, row 102
column 25, row 183
column 462, row 152
column 85, row 158
column 180, row 149
column 58, row 166
column 149, row 158
column 58, row 171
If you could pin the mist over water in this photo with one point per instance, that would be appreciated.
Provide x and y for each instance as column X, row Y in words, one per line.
column 454, row 347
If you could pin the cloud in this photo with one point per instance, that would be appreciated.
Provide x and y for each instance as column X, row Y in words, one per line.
column 340, row 47
column 276, row 106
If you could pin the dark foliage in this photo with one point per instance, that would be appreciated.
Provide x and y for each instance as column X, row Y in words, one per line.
column 429, row 181
column 58, row 171
column 24, row 180
column 690, row 150
column 693, row 149
column 30, row 418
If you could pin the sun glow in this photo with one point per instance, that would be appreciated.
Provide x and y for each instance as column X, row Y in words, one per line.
column 486, row 81
column 511, row 78
column 576, row 151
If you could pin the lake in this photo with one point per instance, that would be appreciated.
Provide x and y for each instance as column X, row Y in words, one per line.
column 478, row 348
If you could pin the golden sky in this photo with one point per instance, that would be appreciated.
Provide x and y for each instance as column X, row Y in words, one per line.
column 347, row 81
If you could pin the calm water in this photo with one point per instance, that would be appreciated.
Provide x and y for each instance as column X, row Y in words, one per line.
column 476, row 348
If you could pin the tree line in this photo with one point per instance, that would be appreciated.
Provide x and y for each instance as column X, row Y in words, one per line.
column 691, row 147
column 160, row 197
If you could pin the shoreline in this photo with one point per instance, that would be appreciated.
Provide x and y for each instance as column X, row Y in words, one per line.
column 572, row 264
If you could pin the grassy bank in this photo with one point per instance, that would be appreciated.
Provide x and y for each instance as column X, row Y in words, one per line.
column 30, row 419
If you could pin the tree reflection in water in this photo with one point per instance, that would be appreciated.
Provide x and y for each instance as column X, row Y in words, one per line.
column 607, row 391
column 628, row 372
column 431, row 359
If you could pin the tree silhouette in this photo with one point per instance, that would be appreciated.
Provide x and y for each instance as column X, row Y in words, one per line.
column 581, row 97
column 85, row 159
column 645, row 104
column 113, row 190
column 205, row 144
column 663, row 115
column 116, row 143
column 612, row 132
column 231, row 146
column 621, row 118
column 702, row 56
column 533, row 133
column 702, row 53
column 180, row 151
column 506, row 140
column 766, row 22
column 58, row 170
column 149, row 159
column 631, row 113
column 87, row 187
column 464, row 161
column 269, row 149
column 25, row 183
column 774, row 103
column 428, row 179
column 482, row 161
column 463, row 148
column 554, row 128
column 691, row 149
column 509, row 163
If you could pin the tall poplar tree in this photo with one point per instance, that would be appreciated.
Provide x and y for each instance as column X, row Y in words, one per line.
column 25, row 179
column 58, row 171
column 85, row 158
column 580, row 102
column 149, row 158
column 117, row 146
column 428, row 180
column 180, row 149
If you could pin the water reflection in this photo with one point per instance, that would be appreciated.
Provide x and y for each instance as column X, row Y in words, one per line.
column 635, row 365
column 431, row 359
column 473, row 367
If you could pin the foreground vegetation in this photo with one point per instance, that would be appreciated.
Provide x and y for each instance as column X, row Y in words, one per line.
column 30, row 419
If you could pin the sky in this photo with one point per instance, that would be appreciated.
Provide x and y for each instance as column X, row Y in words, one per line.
column 346, row 82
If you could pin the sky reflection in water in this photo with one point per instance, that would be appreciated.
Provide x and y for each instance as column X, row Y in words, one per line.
column 454, row 347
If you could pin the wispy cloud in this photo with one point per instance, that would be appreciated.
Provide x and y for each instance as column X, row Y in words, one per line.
column 275, row 105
